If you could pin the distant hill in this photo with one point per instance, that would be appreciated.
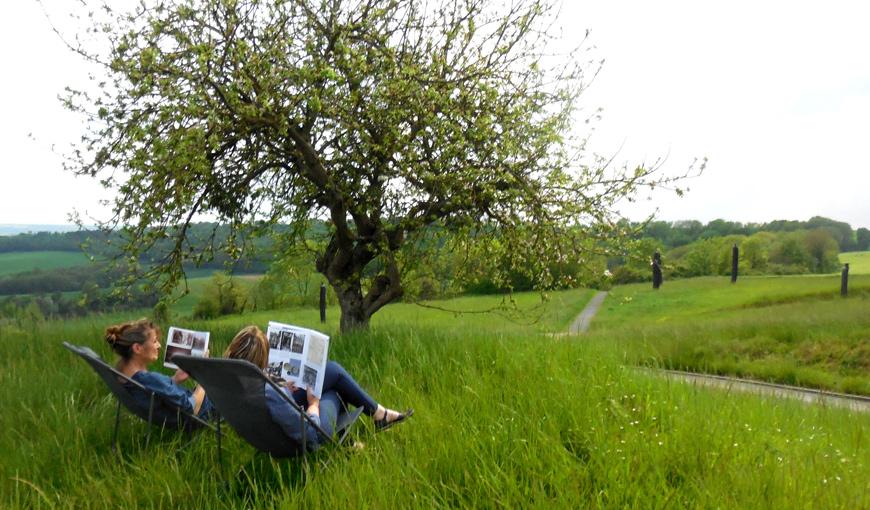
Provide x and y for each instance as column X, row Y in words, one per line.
column 7, row 229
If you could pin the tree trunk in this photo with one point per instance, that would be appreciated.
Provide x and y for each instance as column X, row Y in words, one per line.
column 353, row 313
column 343, row 266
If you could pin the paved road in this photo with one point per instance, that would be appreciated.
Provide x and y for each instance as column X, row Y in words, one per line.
column 581, row 323
column 809, row 395
column 853, row 402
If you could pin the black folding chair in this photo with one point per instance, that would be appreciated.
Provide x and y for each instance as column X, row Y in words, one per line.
column 119, row 383
column 237, row 390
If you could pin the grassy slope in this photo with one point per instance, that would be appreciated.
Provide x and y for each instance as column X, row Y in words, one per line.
column 795, row 330
column 196, row 284
column 859, row 261
column 18, row 262
column 515, row 419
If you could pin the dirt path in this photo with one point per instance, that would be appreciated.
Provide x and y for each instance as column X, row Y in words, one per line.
column 853, row 402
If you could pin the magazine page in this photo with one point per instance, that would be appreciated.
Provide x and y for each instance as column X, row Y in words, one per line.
column 298, row 355
column 184, row 341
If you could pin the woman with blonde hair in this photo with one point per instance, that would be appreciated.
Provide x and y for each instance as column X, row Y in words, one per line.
column 137, row 344
column 339, row 389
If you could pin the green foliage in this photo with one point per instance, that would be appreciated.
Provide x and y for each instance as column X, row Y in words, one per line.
column 793, row 252
column 72, row 304
column 680, row 233
column 222, row 296
column 61, row 279
column 822, row 249
column 392, row 122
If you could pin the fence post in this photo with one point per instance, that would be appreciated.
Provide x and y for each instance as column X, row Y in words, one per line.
column 322, row 302
column 844, row 280
column 735, row 257
column 657, row 270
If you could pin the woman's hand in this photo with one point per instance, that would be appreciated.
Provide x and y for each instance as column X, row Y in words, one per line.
column 313, row 402
column 180, row 376
column 312, row 398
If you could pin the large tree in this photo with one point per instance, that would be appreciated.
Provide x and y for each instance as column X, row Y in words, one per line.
column 390, row 120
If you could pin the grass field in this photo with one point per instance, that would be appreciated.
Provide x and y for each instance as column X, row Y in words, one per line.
column 19, row 262
column 507, row 416
column 859, row 261
column 793, row 330
column 197, row 281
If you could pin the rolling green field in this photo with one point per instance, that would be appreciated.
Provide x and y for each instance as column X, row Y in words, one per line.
column 792, row 330
column 197, row 282
column 508, row 415
column 19, row 262
column 859, row 261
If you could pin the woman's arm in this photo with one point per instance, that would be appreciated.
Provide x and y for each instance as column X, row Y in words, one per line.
column 287, row 417
column 198, row 397
column 165, row 386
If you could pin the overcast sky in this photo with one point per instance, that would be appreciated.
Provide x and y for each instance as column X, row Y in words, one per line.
column 776, row 94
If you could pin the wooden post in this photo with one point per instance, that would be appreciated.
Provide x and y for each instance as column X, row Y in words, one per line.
column 844, row 280
column 735, row 257
column 657, row 270
column 322, row 302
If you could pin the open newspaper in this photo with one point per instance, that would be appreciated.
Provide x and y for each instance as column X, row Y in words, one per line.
column 184, row 341
column 297, row 355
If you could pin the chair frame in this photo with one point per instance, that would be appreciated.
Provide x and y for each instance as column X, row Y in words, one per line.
column 107, row 373
column 195, row 365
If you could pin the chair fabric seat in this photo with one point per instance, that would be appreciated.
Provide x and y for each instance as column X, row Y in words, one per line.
column 237, row 389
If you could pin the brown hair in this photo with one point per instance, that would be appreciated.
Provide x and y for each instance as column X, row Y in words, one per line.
column 250, row 344
column 122, row 336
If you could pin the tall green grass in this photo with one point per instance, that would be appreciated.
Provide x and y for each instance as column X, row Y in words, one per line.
column 792, row 330
column 507, row 416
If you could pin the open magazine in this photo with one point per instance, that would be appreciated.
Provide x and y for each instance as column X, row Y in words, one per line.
column 184, row 341
column 297, row 355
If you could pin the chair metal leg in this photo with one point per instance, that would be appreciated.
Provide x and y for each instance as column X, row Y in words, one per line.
column 304, row 435
column 117, row 425
column 220, row 457
column 150, row 420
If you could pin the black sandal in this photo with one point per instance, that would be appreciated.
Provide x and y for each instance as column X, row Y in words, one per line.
column 383, row 424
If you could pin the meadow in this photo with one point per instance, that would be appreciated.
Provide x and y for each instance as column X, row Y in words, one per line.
column 21, row 261
column 508, row 415
column 792, row 330
column 859, row 261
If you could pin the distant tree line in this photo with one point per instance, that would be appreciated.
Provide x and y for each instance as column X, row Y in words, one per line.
column 90, row 299
column 680, row 233
column 690, row 248
column 103, row 272
column 102, row 245
column 783, row 252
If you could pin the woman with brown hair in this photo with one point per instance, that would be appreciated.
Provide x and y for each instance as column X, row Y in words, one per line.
column 137, row 344
column 339, row 389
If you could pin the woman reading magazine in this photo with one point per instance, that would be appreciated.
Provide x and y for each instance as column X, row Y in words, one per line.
column 137, row 343
column 339, row 388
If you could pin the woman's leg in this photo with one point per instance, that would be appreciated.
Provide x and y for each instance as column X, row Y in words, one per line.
column 337, row 379
column 330, row 405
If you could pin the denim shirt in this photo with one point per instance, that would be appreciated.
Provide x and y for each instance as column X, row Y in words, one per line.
column 170, row 392
column 288, row 418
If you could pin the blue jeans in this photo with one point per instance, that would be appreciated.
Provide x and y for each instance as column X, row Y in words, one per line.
column 339, row 389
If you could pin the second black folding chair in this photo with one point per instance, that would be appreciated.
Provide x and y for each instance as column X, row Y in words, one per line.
column 237, row 390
